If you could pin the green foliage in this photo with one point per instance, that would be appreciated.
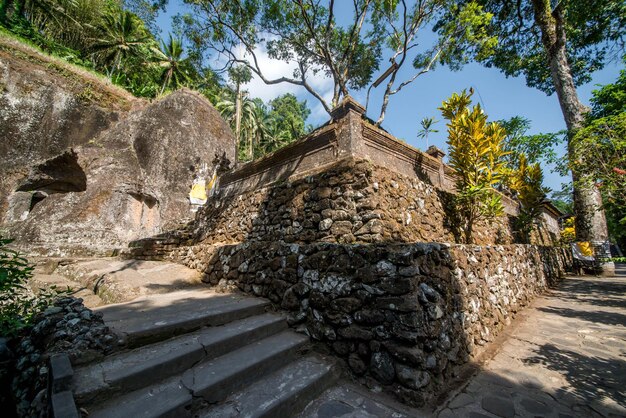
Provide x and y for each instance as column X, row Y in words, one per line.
column 250, row 131
column 476, row 152
column 536, row 148
column 347, row 49
column 123, row 37
column 263, row 129
column 594, row 31
column 176, row 71
column 464, row 35
column 563, row 199
column 103, row 35
column 610, row 100
column 290, row 115
column 240, row 74
column 18, row 304
column 146, row 10
column 427, row 127
column 526, row 182
column 601, row 147
column 602, row 142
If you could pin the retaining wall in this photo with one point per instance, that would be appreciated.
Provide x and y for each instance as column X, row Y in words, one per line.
column 406, row 315
column 337, row 230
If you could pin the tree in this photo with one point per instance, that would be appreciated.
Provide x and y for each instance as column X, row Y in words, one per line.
column 64, row 27
column 176, row 70
column 290, row 115
column 556, row 49
column 102, row 35
column 535, row 148
column 80, row 24
column 31, row 9
column 123, row 36
column 610, row 100
column 475, row 151
column 562, row 199
column 246, row 117
column 19, row 305
column 427, row 127
column 306, row 34
column 603, row 141
column 274, row 136
column 240, row 75
column 146, row 10
column 209, row 82
column 526, row 182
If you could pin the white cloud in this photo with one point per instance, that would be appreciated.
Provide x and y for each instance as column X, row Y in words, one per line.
column 318, row 113
column 273, row 69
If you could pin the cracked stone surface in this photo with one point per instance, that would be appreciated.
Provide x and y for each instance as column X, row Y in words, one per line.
column 346, row 400
column 567, row 358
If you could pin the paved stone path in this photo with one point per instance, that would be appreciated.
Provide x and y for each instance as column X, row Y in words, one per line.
column 567, row 358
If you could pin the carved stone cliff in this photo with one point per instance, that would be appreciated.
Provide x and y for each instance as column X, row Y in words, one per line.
column 84, row 166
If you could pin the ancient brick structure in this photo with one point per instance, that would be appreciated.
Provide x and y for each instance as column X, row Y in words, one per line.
column 344, row 231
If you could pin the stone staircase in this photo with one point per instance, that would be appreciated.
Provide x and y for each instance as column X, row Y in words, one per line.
column 202, row 354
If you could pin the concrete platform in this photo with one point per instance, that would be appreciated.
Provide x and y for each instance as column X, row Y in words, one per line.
column 216, row 379
column 347, row 400
column 48, row 281
column 211, row 380
column 116, row 280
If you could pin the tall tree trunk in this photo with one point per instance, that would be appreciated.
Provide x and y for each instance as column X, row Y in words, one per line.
column 590, row 219
column 237, row 120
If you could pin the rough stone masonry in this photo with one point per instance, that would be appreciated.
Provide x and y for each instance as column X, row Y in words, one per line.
column 406, row 315
column 343, row 242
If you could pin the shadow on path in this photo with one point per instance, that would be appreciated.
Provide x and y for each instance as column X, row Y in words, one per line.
column 603, row 317
column 567, row 358
column 590, row 377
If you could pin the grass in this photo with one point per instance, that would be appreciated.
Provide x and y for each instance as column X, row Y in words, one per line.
column 88, row 85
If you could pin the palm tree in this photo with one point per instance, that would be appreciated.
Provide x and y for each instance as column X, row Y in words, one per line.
column 37, row 12
column 251, row 126
column 176, row 69
column 275, row 136
column 123, row 36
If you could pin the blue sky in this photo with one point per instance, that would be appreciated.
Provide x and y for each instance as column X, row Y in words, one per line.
column 501, row 97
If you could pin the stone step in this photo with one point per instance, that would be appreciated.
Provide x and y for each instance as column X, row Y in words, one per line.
column 143, row 366
column 280, row 394
column 166, row 399
column 159, row 317
column 212, row 381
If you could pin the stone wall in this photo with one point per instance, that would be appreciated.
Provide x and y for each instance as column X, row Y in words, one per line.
column 338, row 231
column 66, row 327
column 348, row 134
column 406, row 315
column 348, row 182
column 349, row 202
